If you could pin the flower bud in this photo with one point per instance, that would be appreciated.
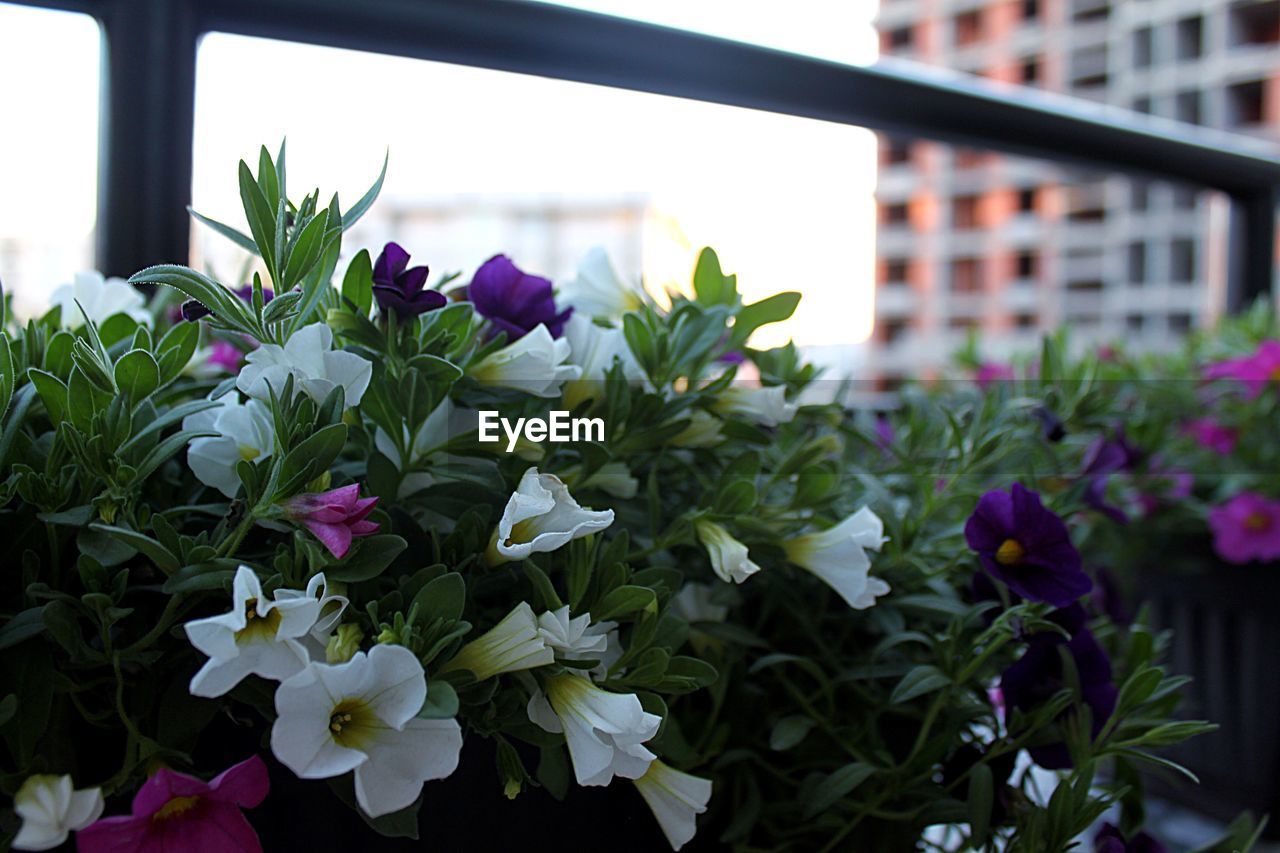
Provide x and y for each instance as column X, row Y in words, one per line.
column 343, row 644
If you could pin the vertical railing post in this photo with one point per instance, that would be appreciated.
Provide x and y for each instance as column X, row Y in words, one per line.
column 1251, row 260
column 145, row 153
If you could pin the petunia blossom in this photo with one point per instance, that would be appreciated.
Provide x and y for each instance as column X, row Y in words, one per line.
column 574, row 638
column 1026, row 546
column 308, row 356
column 257, row 636
column 598, row 291
column 990, row 372
column 536, row 364
column 605, row 731
column 50, row 809
column 1255, row 371
column 174, row 811
column 541, row 516
column 595, row 349
column 514, row 301
column 362, row 716
column 838, row 557
column 1107, row 456
column 729, row 557
column 676, row 799
column 245, row 432
column 100, row 299
column 335, row 516
column 1245, row 528
column 514, row 644
column 765, row 406
column 401, row 289
column 1210, row 434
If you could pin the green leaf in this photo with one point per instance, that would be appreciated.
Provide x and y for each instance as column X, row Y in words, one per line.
column 8, row 379
column 160, row 555
column 546, row 591
column 789, row 731
column 228, row 307
column 23, row 626
column 53, row 393
column 241, row 239
column 312, row 457
column 919, row 681
column 161, row 453
column 57, row 354
column 710, row 284
column 175, row 350
column 137, row 375
column 22, row 402
column 362, row 206
column 261, row 216
column 836, row 787
column 442, row 701
column 441, row 598
column 368, row 559
column 9, row 704
column 357, row 284
column 211, row 574
column 775, row 309
column 981, row 795
column 623, row 601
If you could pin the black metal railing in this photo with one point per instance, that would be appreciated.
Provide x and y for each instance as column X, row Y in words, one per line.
column 149, row 89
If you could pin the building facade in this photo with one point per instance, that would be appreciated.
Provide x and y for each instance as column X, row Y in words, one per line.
column 970, row 241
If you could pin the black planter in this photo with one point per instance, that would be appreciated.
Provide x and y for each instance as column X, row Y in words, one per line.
column 1226, row 636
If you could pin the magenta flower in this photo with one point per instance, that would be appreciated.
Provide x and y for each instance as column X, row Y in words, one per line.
column 990, row 372
column 174, row 811
column 401, row 289
column 1209, row 433
column 335, row 516
column 226, row 355
column 1254, row 371
column 514, row 301
column 1027, row 547
column 1245, row 528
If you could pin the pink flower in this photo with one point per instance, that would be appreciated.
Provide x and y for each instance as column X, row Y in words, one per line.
column 335, row 516
column 1209, row 433
column 1255, row 371
column 174, row 811
column 990, row 372
column 1245, row 528
column 226, row 355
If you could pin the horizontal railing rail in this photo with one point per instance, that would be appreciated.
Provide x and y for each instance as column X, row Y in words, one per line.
column 150, row 76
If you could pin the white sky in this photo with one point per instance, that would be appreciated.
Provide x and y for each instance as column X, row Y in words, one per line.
column 787, row 202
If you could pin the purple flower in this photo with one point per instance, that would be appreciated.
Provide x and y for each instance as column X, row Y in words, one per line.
column 514, row 301
column 1245, row 528
column 1026, row 546
column 174, row 811
column 884, row 433
column 399, row 289
column 1104, row 457
column 1108, row 598
column 1051, row 426
column 1255, row 371
column 990, row 372
column 1109, row 840
column 1037, row 676
column 193, row 310
column 335, row 516
column 1209, row 433
column 226, row 355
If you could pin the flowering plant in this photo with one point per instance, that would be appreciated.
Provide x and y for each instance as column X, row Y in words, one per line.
column 275, row 507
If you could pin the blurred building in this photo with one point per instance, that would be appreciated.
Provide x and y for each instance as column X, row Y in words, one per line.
column 973, row 241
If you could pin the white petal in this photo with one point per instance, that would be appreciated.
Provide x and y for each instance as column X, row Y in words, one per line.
column 214, row 461
column 400, row 761
column 399, row 685
column 300, row 737
column 351, row 372
column 542, row 715
column 676, row 800
column 218, row 676
column 85, row 808
column 215, row 636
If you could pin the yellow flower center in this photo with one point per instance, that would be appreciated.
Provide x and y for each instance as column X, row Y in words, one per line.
column 258, row 627
column 522, row 532
column 1256, row 522
column 176, row 807
column 351, row 722
column 249, row 453
column 1010, row 552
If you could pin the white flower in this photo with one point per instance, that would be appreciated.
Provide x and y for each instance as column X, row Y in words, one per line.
column 256, row 637
column 362, row 715
column 100, row 298
column 50, row 810
column 676, row 800
column 728, row 556
column 613, row 478
column 308, row 356
column 536, row 364
column 766, row 406
column 512, row 645
column 577, row 638
column 594, row 349
column 246, row 431
column 693, row 604
column 838, row 556
column 612, row 652
column 332, row 606
column 541, row 516
column 704, row 430
column 605, row 731
column 598, row 290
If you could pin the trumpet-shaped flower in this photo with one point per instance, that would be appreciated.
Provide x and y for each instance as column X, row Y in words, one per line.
column 335, row 516
column 246, row 432
column 258, row 636
column 598, row 291
column 704, row 430
column 595, row 349
column 576, row 638
column 693, row 603
column 362, row 715
column 676, row 800
column 332, row 606
column 613, row 478
column 605, row 731
column 541, row 515
column 400, row 289
column 514, row 301
column 1245, row 528
column 101, row 298
column 838, row 556
column 174, row 811
column 535, row 364
column 729, row 557
column 50, row 809
column 512, row 645
column 308, row 356
column 766, row 406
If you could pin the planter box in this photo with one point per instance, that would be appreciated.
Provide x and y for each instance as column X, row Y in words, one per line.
column 1226, row 635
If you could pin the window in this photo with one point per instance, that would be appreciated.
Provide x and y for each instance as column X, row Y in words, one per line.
column 1135, row 322
column 899, row 38
column 1027, row 200
column 1254, row 23
column 964, row 211
column 1142, row 105
column 1030, row 71
column 895, row 151
column 1185, row 197
column 1182, row 260
column 966, row 275
column 1025, row 321
column 1137, row 257
column 1180, row 323
column 1025, row 264
column 895, row 214
column 896, row 270
column 964, row 324
column 1246, row 104
column 1187, row 107
column 1142, row 44
column 1030, row 10
column 968, row 28
column 891, row 331
column 1190, row 36
column 969, row 158
column 48, row 151
column 1139, row 195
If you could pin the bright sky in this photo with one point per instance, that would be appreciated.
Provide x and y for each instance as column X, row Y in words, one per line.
column 787, row 202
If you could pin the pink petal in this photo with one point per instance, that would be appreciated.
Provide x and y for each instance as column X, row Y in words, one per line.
column 335, row 537
column 364, row 528
column 245, row 784
column 120, row 834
